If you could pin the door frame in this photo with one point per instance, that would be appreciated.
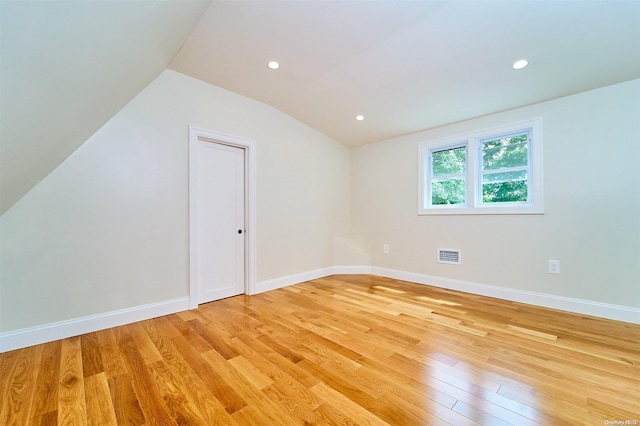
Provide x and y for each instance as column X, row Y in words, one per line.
column 196, row 135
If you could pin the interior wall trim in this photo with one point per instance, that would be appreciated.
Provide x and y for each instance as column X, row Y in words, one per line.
column 74, row 327
column 288, row 280
column 31, row 336
column 562, row 303
column 60, row 330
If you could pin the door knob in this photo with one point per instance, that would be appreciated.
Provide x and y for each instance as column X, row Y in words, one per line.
column 239, row 231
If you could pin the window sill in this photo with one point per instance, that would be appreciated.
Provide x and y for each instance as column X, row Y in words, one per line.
column 446, row 211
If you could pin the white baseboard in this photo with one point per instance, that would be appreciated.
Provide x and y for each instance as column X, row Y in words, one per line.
column 60, row 330
column 579, row 306
column 63, row 329
column 288, row 280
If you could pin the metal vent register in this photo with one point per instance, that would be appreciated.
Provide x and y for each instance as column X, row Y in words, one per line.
column 449, row 256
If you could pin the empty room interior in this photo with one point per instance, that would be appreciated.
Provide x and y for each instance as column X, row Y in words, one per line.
column 320, row 212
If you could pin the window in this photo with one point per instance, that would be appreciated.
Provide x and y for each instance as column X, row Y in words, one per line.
column 494, row 171
column 504, row 169
column 448, row 177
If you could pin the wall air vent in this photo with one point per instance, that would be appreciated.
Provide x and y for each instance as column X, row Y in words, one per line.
column 451, row 256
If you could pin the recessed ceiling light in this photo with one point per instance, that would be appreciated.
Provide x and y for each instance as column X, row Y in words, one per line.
column 359, row 117
column 273, row 65
column 518, row 65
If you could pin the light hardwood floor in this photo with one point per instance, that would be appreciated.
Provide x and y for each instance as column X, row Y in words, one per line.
column 339, row 350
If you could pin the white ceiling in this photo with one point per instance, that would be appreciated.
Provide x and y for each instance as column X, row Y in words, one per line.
column 410, row 65
column 69, row 65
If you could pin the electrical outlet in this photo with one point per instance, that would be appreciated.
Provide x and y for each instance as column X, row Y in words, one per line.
column 554, row 266
column 385, row 249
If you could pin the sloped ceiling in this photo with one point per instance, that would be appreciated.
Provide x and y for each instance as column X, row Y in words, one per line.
column 410, row 65
column 68, row 66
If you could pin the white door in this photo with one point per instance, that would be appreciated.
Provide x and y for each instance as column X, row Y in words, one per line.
column 220, row 215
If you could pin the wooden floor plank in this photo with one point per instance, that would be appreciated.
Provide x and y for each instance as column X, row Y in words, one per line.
column 47, row 419
column 280, row 362
column 100, row 409
column 19, row 397
column 125, row 402
column 91, row 355
column 176, row 375
column 71, row 390
column 271, row 411
column 112, row 362
column 250, row 372
column 182, row 408
column 353, row 411
column 298, row 408
column 273, row 373
column 224, row 393
column 344, row 349
column 150, row 399
column 8, row 361
column 45, row 399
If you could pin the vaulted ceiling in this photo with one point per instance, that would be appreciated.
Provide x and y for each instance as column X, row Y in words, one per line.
column 68, row 66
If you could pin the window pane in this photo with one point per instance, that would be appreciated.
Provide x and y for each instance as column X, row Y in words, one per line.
column 504, row 176
column 449, row 161
column 503, row 192
column 505, row 152
column 448, row 191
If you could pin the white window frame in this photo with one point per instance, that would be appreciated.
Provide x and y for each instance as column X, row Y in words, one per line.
column 429, row 178
column 474, row 205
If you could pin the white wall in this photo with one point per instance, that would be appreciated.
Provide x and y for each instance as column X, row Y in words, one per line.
column 592, row 205
column 108, row 229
